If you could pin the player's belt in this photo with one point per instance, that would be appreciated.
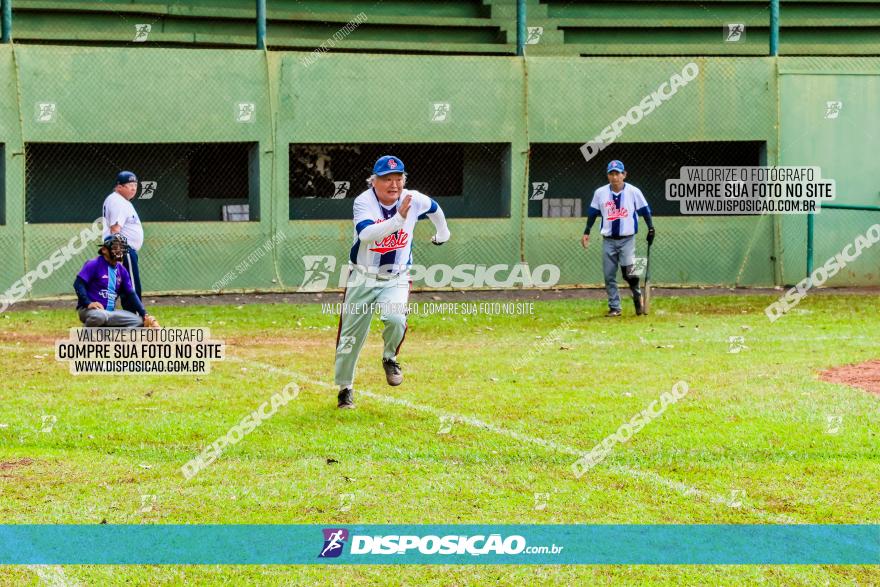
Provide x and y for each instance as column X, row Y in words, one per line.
column 376, row 275
column 620, row 237
column 386, row 276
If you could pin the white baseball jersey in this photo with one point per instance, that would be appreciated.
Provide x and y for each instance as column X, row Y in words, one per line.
column 118, row 210
column 618, row 211
column 391, row 252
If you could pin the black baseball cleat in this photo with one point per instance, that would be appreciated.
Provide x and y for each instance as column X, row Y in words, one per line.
column 393, row 374
column 612, row 314
column 346, row 399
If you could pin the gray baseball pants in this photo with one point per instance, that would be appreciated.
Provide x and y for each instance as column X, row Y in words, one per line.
column 619, row 252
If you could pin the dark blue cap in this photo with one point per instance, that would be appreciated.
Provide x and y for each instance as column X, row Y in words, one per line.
column 615, row 166
column 125, row 177
column 388, row 164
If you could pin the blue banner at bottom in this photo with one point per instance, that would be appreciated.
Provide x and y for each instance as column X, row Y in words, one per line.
column 440, row 544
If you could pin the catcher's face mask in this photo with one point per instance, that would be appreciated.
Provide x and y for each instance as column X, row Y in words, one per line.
column 116, row 248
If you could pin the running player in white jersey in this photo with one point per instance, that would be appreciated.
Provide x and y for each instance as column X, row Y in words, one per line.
column 385, row 217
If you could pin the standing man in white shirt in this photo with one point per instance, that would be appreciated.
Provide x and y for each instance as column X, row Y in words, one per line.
column 619, row 204
column 385, row 218
column 120, row 217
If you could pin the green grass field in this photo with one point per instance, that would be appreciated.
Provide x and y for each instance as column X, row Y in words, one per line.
column 758, row 439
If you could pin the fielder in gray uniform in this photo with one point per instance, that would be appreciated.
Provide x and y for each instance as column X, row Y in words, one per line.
column 385, row 217
column 619, row 204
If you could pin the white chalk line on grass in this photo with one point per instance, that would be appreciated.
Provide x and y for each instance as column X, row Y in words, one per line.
column 646, row 476
column 53, row 575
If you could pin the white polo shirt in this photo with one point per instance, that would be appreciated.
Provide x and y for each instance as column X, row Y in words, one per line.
column 118, row 210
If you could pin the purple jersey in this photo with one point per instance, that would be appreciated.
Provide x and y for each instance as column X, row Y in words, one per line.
column 94, row 273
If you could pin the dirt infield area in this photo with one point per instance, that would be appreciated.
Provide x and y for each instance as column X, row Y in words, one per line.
column 862, row 375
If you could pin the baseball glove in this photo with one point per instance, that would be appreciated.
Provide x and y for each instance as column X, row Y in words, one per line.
column 151, row 322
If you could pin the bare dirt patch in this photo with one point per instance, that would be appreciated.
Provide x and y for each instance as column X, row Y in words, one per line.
column 6, row 465
column 26, row 337
column 862, row 375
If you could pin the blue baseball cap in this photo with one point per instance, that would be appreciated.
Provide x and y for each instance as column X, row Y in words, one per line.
column 615, row 166
column 388, row 164
column 125, row 177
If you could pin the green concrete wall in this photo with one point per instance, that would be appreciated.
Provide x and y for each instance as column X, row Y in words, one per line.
column 847, row 149
column 148, row 95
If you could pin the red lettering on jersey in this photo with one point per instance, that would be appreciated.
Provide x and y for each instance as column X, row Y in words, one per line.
column 392, row 242
column 614, row 212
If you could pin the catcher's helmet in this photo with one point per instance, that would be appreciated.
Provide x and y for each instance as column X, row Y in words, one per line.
column 115, row 239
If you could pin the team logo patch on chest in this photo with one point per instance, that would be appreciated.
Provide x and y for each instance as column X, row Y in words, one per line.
column 615, row 213
column 392, row 242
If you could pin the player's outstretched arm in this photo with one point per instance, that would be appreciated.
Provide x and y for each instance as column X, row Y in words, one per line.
column 436, row 216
